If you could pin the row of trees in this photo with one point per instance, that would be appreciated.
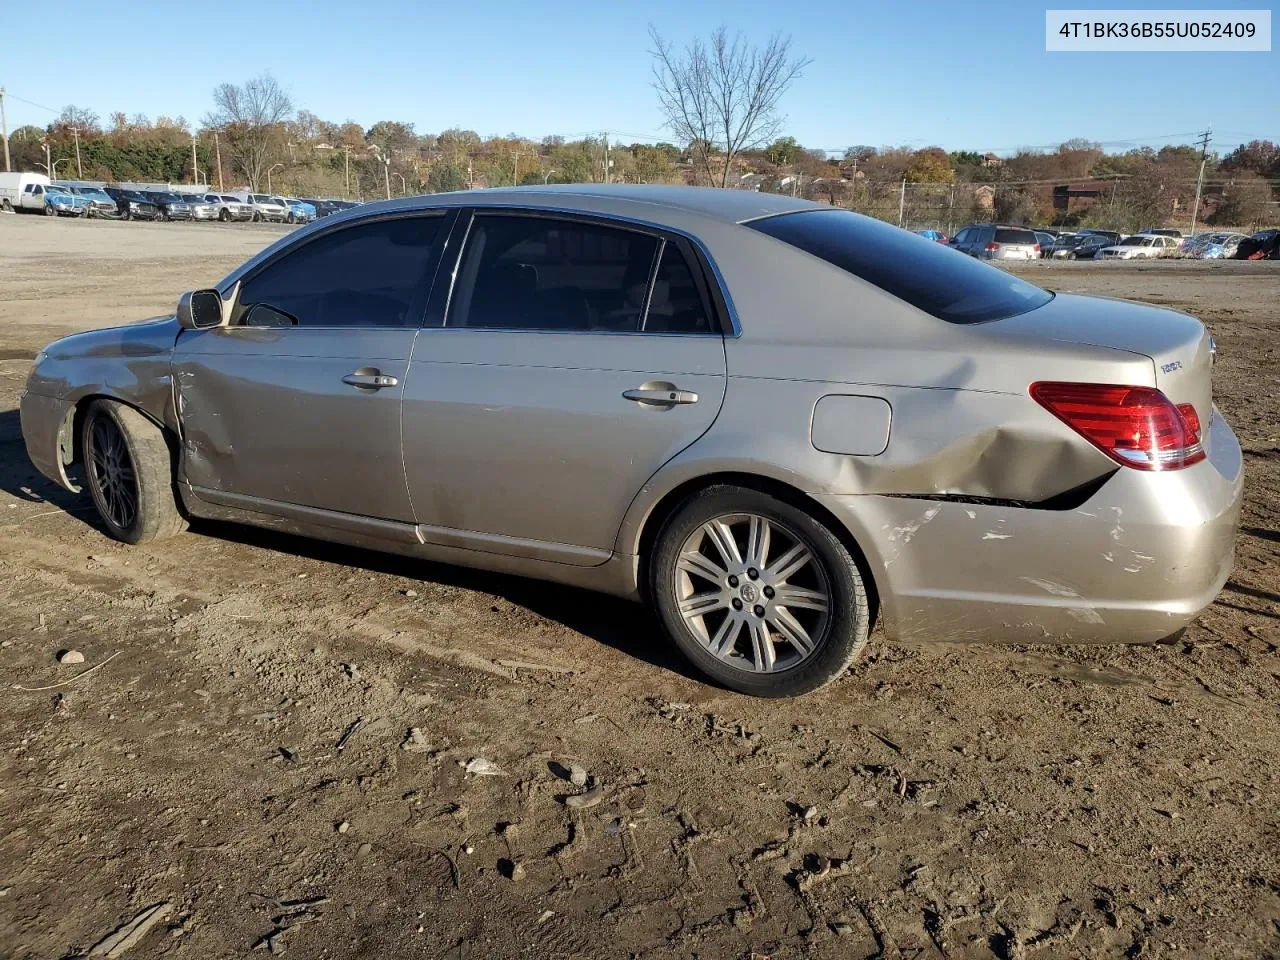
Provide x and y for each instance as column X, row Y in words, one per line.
column 720, row 98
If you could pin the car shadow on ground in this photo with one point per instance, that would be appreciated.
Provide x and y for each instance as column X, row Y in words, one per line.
column 627, row 627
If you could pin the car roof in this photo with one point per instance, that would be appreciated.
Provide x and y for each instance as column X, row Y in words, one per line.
column 642, row 201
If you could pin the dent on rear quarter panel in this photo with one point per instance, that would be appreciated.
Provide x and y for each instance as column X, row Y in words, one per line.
column 962, row 422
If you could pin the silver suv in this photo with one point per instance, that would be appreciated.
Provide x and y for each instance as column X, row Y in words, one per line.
column 991, row 241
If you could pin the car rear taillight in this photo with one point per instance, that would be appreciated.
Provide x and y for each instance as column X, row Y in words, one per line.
column 992, row 246
column 1135, row 426
column 1191, row 418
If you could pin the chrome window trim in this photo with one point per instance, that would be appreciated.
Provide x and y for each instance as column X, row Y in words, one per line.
column 326, row 224
column 229, row 290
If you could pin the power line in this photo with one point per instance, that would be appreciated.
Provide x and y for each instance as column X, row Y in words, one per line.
column 31, row 103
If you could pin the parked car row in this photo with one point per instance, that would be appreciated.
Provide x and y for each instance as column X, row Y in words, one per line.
column 35, row 193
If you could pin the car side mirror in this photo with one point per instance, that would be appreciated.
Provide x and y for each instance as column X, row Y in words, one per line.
column 200, row 310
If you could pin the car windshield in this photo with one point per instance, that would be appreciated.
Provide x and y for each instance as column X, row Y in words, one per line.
column 60, row 191
column 936, row 279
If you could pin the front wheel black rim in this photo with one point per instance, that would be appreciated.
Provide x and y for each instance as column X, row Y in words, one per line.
column 111, row 471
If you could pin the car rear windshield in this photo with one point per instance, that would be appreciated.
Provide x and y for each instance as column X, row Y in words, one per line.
column 949, row 285
column 1015, row 236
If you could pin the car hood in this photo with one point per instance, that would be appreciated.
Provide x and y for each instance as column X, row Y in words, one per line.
column 145, row 339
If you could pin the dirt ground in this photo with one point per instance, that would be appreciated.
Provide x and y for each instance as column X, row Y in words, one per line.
column 244, row 753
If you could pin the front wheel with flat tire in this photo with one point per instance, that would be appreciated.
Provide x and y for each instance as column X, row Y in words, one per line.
column 762, row 597
column 129, row 471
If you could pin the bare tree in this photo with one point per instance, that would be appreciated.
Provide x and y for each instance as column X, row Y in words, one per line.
column 81, row 118
column 721, row 97
column 250, row 119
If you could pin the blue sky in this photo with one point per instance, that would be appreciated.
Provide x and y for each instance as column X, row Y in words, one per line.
column 966, row 76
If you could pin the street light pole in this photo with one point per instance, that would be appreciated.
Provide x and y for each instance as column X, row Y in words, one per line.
column 275, row 167
column 386, row 172
column 53, row 175
column 195, row 167
column 75, row 133
column 346, row 169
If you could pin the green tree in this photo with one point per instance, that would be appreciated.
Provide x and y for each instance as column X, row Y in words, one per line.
column 783, row 151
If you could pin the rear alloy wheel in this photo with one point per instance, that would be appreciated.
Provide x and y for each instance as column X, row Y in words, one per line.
column 129, row 472
column 759, row 595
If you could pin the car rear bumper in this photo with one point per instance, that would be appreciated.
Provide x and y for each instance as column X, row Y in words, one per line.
column 1139, row 560
column 45, row 428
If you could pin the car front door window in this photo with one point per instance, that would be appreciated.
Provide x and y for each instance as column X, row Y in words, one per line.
column 367, row 275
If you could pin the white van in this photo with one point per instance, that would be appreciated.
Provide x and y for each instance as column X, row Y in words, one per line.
column 13, row 184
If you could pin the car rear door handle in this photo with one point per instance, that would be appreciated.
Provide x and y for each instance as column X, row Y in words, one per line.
column 369, row 380
column 662, row 396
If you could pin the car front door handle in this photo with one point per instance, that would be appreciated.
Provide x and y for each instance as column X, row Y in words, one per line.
column 660, row 396
column 369, row 380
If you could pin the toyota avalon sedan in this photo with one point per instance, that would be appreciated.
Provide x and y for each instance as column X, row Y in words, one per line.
column 772, row 421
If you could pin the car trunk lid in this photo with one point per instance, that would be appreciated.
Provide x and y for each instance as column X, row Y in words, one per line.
column 1178, row 345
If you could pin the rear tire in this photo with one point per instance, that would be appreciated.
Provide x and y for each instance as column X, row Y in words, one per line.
column 6, row 206
column 129, row 472
column 224, row 216
column 49, row 211
column 742, row 641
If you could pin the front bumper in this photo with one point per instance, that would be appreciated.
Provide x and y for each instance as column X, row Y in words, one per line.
column 46, row 429
column 1135, row 563
column 178, row 214
column 203, row 213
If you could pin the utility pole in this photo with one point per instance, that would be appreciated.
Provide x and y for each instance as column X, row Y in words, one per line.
column 951, row 208
column 217, row 149
column 4, row 130
column 195, row 167
column 606, row 156
column 47, row 168
column 75, row 133
column 902, row 201
column 386, row 172
column 346, row 169
column 1204, row 142
column 515, row 170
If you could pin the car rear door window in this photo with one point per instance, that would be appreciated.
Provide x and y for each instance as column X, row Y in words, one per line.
column 939, row 281
column 540, row 273
column 370, row 274
column 1015, row 236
